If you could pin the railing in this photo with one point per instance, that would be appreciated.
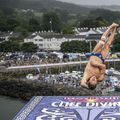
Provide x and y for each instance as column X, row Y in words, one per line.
column 56, row 64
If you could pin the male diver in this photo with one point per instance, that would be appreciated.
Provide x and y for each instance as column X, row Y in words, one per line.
column 95, row 68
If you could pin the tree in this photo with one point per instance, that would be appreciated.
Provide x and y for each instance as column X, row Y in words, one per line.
column 11, row 24
column 76, row 46
column 51, row 21
column 2, row 21
column 107, row 15
column 33, row 25
column 29, row 47
column 94, row 22
column 9, row 46
column 116, row 44
column 67, row 30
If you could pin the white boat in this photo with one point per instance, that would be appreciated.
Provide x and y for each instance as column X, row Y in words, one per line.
column 116, row 72
column 31, row 77
column 112, row 71
column 113, row 80
column 67, row 72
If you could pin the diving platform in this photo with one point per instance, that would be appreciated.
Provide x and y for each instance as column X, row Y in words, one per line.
column 71, row 108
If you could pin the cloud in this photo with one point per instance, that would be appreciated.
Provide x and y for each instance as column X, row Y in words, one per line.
column 93, row 2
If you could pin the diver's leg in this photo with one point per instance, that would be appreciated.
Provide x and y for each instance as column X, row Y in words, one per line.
column 100, row 44
column 111, row 38
column 106, row 48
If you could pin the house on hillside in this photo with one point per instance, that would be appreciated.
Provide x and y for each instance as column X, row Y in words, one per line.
column 5, row 36
column 93, row 37
column 36, row 39
column 51, row 42
column 87, row 31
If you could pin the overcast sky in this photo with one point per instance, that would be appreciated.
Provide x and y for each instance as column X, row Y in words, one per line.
column 94, row 2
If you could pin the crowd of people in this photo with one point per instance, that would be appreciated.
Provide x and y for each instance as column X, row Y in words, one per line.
column 19, row 59
column 67, row 79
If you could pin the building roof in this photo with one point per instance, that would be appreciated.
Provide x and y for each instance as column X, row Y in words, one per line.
column 4, row 34
column 9, row 34
column 98, row 30
column 82, row 29
column 55, row 36
column 93, row 37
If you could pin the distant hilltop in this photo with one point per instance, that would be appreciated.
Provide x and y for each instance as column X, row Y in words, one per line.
column 108, row 7
column 52, row 4
column 43, row 5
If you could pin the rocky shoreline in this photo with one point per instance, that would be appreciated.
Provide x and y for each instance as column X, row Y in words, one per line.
column 25, row 89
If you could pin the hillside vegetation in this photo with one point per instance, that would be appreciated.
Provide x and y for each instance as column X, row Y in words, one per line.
column 36, row 15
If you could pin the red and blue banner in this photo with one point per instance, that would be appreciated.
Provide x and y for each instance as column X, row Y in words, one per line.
column 71, row 108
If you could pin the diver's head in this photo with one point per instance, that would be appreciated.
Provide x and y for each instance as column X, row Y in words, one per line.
column 92, row 83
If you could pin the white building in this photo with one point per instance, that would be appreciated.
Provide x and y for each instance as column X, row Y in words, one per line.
column 51, row 42
column 87, row 31
column 36, row 39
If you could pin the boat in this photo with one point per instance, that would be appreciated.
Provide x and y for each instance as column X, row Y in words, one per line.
column 112, row 71
column 32, row 77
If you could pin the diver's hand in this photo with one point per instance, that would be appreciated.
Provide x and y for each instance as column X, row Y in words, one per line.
column 114, row 25
column 84, row 85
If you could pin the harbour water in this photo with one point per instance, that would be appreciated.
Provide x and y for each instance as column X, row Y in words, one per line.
column 9, row 107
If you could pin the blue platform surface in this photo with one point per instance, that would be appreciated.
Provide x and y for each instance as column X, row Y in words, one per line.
column 71, row 108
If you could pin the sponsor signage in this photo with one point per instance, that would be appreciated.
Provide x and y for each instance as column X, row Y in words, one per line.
column 71, row 108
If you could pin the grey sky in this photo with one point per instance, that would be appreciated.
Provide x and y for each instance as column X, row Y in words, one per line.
column 93, row 2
